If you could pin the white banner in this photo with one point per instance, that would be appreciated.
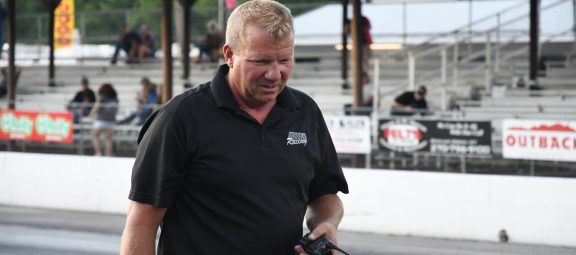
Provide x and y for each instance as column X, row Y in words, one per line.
column 539, row 139
column 350, row 134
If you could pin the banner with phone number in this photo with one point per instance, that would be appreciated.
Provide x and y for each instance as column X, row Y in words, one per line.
column 36, row 126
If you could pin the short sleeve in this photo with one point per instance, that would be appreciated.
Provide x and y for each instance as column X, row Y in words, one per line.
column 161, row 159
column 329, row 177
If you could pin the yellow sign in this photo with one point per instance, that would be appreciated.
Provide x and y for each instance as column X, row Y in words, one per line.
column 64, row 24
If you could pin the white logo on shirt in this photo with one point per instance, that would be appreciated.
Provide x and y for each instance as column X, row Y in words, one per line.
column 295, row 138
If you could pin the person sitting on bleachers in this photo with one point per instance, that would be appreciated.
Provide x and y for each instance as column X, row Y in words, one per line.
column 146, row 48
column 211, row 44
column 410, row 103
column 82, row 102
column 146, row 99
column 128, row 41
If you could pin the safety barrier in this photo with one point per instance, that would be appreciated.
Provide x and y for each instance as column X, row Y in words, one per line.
column 531, row 210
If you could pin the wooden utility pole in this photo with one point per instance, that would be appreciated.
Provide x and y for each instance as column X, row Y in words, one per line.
column 167, row 50
column 186, row 14
column 356, row 29
column 357, row 86
column 11, row 82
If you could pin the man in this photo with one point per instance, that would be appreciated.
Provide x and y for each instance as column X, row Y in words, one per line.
column 127, row 41
column 232, row 166
column 83, row 101
column 410, row 102
column 211, row 44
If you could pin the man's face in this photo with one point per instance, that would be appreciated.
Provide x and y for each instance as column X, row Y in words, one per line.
column 260, row 67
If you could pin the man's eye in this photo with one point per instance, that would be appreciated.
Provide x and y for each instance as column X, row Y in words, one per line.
column 259, row 61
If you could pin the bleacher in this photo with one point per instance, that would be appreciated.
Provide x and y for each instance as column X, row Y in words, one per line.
column 317, row 72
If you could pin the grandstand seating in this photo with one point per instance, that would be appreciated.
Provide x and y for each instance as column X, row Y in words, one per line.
column 317, row 73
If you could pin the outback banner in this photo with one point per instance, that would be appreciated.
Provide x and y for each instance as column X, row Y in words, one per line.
column 36, row 126
column 446, row 137
column 64, row 24
column 539, row 139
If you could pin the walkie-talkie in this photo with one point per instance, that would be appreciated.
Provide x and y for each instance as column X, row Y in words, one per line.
column 321, row 246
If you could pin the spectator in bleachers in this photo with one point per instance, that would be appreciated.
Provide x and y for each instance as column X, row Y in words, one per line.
column 145, row 99
column 365, row 42
column 105, row 118
column 128, row 41
column 83, row 101
column 410, row 103
column 212, row 43
column 146, row 48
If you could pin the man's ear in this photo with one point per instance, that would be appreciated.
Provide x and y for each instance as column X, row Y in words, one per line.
column 228, row 55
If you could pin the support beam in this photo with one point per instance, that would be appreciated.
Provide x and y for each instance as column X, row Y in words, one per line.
column 167, row 50
column 11, row 33
column 186, row 16
column 356, row 26
column 346, row 27
column 534, row 43
column 52, row 5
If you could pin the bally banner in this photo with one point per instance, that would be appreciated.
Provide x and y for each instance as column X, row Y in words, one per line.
column 64, row 24
column 539, row 139
column 36, row 126
column 443, row 137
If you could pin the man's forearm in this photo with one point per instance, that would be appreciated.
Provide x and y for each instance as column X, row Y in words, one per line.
column 325, row 209
column 138, row 240
column 139, row 236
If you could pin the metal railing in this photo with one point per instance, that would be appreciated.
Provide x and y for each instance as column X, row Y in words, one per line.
column 491, row 52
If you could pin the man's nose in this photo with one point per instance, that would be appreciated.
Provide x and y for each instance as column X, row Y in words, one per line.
column 273, row 72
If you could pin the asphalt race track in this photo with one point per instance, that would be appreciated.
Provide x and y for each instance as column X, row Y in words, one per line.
column 29, row 231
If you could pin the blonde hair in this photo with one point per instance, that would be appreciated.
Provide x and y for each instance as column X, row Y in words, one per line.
column 273, row 17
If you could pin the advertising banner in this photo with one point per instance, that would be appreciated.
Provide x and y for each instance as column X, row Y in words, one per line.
column 350, row 134
column 64, row 24
column 36, row 126
column 539, row 139
column 446, row 137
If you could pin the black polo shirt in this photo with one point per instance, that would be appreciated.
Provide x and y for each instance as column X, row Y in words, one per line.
column 232, row 185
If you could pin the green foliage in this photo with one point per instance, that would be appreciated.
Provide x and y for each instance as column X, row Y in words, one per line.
column 101, row 21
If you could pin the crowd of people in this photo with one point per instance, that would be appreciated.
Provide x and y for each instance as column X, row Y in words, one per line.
column 137, row 44
column 102, row 108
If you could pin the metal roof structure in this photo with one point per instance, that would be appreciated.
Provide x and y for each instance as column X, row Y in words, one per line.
column 420, row 20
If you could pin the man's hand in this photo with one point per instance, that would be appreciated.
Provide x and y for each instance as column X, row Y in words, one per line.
column 313, row 236
column 324, row 215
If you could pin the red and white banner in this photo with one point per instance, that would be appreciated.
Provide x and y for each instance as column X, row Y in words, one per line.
column 539, row 140
column 36, row 126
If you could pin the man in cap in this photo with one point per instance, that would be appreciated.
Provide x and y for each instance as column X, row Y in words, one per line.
column 410, row 102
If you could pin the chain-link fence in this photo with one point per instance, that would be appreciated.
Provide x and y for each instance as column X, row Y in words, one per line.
column 104, row 27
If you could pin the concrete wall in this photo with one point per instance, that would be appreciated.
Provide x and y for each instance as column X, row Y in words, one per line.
column 531, row 209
